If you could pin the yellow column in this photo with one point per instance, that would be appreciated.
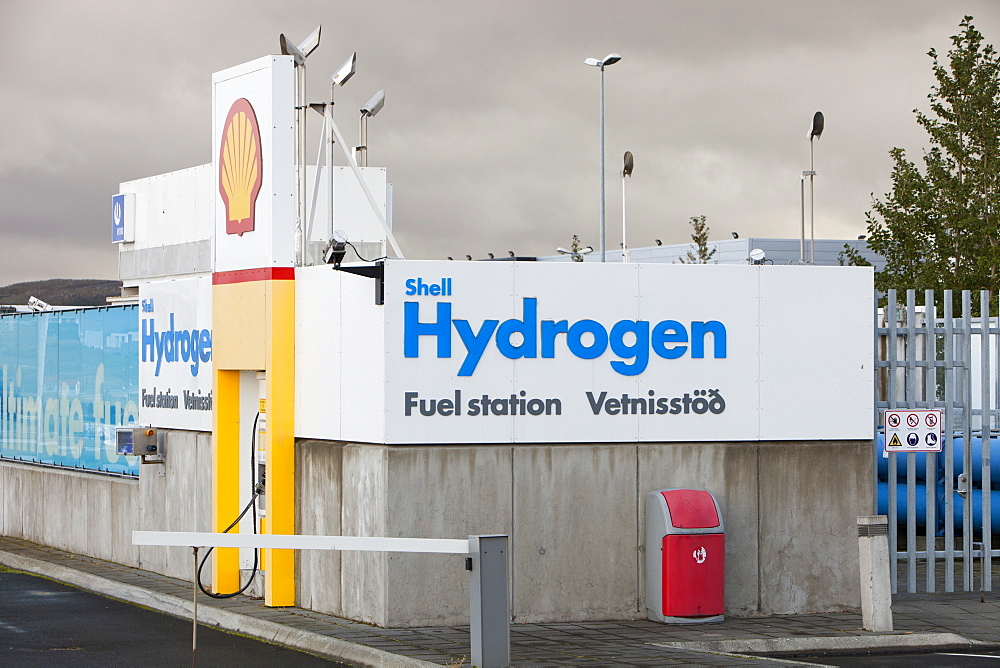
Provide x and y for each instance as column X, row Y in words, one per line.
column 253, row 321
column 225, row 475
column 279, row 355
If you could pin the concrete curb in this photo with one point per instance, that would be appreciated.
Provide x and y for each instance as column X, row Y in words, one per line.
column 334, row 648
column 826, row 644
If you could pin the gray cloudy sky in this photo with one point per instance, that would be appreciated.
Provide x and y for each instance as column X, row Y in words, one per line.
column 490, row 128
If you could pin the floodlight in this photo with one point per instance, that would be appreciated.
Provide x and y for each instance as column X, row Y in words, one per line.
column 736, row 235
column 511, row 253
column 491, row 256
column 289, row 49
column 577, row 255
column 374, row 105
column 593, row 62
column 757, row 256
column 310, row 43
column 468, row 257
column 299, row 54
column 629, row 164
column 658, row 242
column 817, row 128
column 346, row 71
column 814, row 133
column 610, row 59
column 336, row 248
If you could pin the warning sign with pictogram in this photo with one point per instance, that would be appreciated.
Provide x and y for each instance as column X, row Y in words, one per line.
column 914, row 430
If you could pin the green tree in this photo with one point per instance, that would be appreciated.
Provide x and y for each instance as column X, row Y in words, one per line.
column 575, row 249
column 937, row 228
column 700, row 253
column 852, row 257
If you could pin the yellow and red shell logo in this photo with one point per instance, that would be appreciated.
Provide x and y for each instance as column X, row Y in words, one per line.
column 241, row 167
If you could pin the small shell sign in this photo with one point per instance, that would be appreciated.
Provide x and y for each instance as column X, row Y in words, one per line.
column 241, row 167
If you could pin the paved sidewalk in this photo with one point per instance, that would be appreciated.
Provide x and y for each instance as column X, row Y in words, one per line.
column 921, row 621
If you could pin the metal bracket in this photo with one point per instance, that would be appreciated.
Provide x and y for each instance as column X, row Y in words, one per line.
column 376, row 271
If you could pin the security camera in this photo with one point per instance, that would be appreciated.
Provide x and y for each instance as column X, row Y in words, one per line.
column 335, row 249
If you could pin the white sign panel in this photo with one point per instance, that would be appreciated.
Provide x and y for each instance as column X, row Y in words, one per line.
column 586, row 352
column 175, row 354
column 913, row 430
column 253, row 140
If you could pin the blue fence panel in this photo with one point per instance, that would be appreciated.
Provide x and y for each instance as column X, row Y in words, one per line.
column 68, row 378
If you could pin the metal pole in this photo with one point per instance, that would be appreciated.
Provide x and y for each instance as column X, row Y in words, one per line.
column 625, row 257
column 812, row 206
column 194, row 616
column 489, row 607
column 328, row 120
column 300, row 166
column 603, row 247
column 363, row 135
column 802, row 200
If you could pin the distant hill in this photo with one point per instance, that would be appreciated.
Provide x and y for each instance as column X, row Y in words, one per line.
column 62, row 292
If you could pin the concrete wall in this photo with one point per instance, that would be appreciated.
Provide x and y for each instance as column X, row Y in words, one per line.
column 175, row 496
column 317, row 512
column 94, row 515
column 72, row 511
column 574, row 512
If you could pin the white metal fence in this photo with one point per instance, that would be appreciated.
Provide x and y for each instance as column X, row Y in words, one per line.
column 942, row 354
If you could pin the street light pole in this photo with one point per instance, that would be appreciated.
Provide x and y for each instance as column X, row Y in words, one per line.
column 603, row 232
column 817, row 130
column 610, row 59
column 626, row 172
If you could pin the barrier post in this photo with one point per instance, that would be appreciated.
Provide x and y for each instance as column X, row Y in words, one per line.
column 489, row 605
column 873, row 553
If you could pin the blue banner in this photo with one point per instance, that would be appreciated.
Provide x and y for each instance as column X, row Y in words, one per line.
column 68, row 378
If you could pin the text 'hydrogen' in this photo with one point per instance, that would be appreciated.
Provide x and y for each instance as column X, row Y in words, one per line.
column 630, row 340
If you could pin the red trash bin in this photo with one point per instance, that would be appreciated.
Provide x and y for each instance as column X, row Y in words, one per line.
column 685, row 557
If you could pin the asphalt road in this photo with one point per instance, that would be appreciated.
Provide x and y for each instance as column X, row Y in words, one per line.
column 936, row 659
column 46, row 623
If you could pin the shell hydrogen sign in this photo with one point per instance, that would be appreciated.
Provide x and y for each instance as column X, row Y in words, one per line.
column 530, row 352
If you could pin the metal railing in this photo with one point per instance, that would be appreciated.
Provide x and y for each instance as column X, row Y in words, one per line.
column 930, row 356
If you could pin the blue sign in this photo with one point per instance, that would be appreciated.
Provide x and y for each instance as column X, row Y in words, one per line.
column 117, row 218
column 68, row 379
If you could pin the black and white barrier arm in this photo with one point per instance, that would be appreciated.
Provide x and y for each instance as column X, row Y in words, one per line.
column 489, row 606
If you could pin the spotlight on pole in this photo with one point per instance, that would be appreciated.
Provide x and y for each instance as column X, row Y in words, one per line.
column 814, row 133
column 577, row 256
column 299, row 54
column 346, row 71
column 629, row 163
column 372, row 107
column 609, row 59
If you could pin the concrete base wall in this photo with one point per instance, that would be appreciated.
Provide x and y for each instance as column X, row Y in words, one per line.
column 575, row 514
column 95, row 515
column 77, row 512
